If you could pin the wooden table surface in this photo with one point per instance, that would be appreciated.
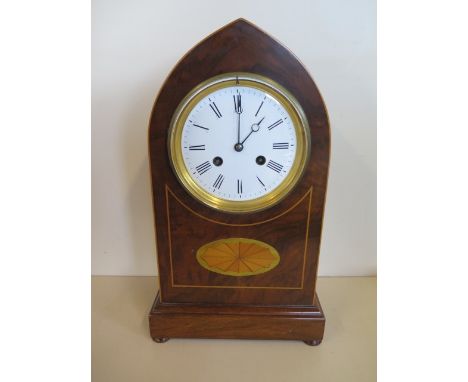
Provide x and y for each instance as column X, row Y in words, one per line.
column 122, row 349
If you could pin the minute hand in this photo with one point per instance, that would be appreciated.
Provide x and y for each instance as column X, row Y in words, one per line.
column 238, row 110
column 253, row 129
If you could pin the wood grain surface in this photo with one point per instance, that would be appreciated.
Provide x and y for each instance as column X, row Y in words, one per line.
column 191, row 320
column 183, row 224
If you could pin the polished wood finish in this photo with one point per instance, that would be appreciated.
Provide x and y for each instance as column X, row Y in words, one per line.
column 293, row 227
column 305, row 323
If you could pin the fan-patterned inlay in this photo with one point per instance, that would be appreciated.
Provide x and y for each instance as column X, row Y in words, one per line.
column 238, row 257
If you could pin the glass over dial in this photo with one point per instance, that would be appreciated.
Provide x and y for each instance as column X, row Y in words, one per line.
column 239, row 144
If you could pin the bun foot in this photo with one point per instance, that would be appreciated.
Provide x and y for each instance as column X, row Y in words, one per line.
column 313, row 342
column 160, row 340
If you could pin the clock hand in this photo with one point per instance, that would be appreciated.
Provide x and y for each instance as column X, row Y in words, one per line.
column 253, row 129
column 238, row 109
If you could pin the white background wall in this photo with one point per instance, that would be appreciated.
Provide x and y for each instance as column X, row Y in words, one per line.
column 134, row 46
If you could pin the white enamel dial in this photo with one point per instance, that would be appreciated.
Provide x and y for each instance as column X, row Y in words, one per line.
column 238, row 143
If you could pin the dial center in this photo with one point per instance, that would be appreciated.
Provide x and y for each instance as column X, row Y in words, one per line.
column 238, row 147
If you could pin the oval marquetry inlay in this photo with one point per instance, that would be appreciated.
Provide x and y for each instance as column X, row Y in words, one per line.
column 238, row 257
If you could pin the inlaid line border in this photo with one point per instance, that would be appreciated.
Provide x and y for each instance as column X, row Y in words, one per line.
column 306, row 242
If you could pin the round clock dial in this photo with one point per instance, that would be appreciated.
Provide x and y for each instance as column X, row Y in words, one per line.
column 239, row 143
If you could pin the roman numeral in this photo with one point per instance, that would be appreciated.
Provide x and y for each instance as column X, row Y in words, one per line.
column 260, row 106
column 204, row 167
column 274, row 166
column 218, row 182
column 197, row 147
column 239, row 186
column 278, row 122
column 237, row 103
column 201, row 127
column 260, row 181
column 281, row 146
column 215, row 109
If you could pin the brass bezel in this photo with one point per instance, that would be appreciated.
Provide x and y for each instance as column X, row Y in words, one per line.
column 287, row 100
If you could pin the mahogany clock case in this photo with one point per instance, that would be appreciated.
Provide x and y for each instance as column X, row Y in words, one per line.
column 280, row 303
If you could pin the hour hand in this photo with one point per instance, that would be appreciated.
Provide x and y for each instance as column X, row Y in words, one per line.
column 253, row 129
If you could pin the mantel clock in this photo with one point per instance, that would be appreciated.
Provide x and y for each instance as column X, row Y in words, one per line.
column 239, row 153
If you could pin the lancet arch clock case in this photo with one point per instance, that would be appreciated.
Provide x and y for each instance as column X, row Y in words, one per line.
column 239, row 153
